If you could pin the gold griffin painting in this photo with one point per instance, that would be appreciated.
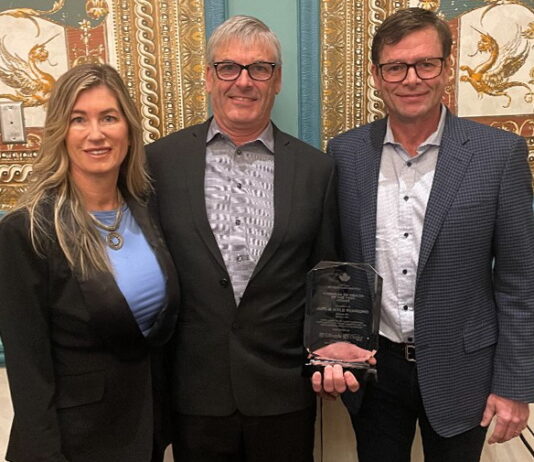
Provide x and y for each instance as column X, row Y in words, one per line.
column 160, row 60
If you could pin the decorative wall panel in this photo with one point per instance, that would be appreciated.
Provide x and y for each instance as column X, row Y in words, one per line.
column 157, row 46
column 348, row 96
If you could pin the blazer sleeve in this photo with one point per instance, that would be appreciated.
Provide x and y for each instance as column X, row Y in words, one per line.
column 25, row 333
column 513, row 243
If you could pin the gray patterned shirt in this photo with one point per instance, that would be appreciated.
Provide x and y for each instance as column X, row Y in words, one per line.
column 238, row 186
column 404, row 186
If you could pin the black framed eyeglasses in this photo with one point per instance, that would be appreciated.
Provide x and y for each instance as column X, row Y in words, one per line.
column 259, row 70
column 425, row 69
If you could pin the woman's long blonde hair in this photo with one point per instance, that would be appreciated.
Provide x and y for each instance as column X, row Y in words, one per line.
column 53, row 202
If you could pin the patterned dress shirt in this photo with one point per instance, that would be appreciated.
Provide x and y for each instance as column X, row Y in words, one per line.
column 404, row 186
column 238, row 186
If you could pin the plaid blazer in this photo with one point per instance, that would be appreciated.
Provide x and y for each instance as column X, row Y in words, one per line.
column 474, row 296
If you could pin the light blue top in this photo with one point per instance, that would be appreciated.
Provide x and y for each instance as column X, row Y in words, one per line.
column 137, row 271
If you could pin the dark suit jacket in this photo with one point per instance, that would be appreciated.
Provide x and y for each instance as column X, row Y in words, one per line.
column 245, row 357
column 78, row 366
column 474, row 322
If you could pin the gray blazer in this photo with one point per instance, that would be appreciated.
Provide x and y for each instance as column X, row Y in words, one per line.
column 474, row 296
column 245, row 357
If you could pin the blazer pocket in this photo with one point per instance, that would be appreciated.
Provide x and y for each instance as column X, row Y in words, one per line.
column 468, row 205
column 483, row 336
column 80, row 389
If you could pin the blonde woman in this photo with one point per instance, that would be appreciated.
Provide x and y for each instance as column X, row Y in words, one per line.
column 87, row 286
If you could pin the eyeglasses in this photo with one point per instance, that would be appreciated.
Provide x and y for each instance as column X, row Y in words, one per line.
column 260, row 70
column 425, row 69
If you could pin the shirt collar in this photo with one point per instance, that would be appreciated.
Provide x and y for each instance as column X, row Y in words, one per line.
column 266, row 137
column 433, row 140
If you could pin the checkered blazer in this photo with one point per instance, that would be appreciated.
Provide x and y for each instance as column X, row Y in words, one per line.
column 474, row 296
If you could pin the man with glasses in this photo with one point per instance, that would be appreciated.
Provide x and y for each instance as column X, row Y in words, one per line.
column 246, row 211
column 442, row 207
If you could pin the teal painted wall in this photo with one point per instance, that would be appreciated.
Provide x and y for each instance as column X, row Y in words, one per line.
column 282, row 17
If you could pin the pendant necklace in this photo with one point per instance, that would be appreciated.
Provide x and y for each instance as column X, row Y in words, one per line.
column 114, row 239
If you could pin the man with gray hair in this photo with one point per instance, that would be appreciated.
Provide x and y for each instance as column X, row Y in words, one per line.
column 247, row 211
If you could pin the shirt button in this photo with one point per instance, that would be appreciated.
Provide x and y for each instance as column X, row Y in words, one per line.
column 405, row 198
column 224, row 282
column 406, row 234
column 238, row 152
column 405, row 307
column 409, row 164
column 410, row 339
column 404, row 271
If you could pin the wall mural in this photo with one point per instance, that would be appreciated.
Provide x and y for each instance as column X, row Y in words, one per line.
column 157, row 46
column 492, row 78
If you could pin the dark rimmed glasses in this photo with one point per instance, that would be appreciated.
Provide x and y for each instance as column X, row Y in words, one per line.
column 259, row 70
column 425, row 69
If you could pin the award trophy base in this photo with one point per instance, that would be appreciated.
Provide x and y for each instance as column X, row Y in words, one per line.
column 361, row 370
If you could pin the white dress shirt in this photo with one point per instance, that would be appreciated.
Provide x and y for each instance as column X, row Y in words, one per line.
column 404, row 187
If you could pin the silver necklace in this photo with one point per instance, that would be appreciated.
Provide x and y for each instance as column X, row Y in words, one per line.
column 114, row 239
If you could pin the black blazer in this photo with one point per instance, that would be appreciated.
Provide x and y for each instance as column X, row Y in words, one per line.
column 245, row 357
column 78, row 366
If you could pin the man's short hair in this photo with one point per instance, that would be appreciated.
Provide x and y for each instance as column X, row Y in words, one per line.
column 403, row 23
column 245, row 29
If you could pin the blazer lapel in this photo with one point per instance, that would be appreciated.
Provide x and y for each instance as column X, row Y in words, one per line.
column 370, row 159
column 111, row 316
column 164, row 323
column 195, row 170
column 453, row 159
column 284, row 170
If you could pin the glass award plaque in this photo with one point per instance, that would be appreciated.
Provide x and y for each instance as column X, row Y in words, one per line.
column 342, row 316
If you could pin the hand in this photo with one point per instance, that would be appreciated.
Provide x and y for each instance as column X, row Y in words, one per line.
column 512, row 417
column 333, row 381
